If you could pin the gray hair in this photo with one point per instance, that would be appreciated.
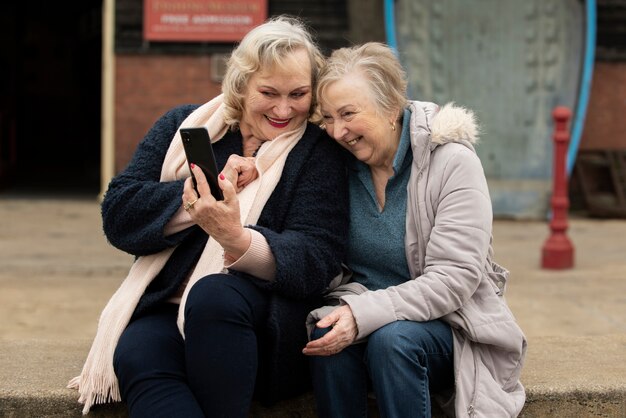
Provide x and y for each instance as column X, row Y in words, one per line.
column 378, row 63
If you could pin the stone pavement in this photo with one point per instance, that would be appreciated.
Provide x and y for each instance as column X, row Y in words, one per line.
column 57, row 272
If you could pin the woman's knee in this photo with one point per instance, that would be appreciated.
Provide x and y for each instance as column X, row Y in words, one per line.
column 126, row 358
column 391, row 340
column 149, row 344
column 135, row 361
column 409, row 338
column 221, row 297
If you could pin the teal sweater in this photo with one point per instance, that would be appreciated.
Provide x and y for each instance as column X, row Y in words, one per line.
column 376, row 247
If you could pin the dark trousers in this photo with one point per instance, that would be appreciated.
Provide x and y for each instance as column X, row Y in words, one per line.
column 210, row 373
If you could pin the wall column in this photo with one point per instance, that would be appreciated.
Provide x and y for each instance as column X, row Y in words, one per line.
column 107, row 159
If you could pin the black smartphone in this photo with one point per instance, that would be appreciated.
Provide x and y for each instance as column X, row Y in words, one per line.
column 199, row 151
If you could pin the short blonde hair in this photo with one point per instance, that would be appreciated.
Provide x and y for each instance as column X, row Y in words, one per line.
column 378, row 63
column 264, row 47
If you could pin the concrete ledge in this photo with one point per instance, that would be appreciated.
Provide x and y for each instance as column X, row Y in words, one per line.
column 564, row 376
column 569, row 376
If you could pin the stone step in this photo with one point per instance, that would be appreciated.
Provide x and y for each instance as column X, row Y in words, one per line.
column 564, row 376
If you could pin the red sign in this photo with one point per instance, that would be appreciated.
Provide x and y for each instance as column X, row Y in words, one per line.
column 201, row 20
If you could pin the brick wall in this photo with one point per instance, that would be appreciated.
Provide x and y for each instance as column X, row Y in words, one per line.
column 146, row 86
column 605, row 123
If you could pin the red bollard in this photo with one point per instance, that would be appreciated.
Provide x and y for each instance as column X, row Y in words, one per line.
column 558, row 251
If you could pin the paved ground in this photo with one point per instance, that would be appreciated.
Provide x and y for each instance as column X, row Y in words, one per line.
column 56, row 268
column 57, row 272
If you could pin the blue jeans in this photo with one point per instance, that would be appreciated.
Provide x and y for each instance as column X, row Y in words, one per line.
column 212, row 372
column 404, row 362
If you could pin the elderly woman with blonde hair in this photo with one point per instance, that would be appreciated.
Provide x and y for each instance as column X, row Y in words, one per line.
column 211, row 312
column 424, row 313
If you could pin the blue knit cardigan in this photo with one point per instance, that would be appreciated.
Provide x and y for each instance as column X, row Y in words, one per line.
column 304, row 222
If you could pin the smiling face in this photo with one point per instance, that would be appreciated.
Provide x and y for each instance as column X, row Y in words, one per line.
column 278, row 99
column 351, row 118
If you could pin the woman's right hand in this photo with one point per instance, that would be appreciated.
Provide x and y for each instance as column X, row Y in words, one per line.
column 241, row 171
column 220, row 219
column 343, row 334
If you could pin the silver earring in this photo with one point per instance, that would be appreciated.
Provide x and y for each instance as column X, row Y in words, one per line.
column 393, row 125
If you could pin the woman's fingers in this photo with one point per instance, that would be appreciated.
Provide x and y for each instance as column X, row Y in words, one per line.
column 189, row 197
column 329, row 319
column 324, row 346
column 202, row 185
column 248, row 172
column 241, row 171
column 343, row 334
column 231, row 169
column 228, row 189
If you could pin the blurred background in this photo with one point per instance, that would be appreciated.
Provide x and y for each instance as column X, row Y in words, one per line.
column 82, row 82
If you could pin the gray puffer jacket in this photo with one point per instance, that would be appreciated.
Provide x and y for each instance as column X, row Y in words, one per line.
column 449, row 253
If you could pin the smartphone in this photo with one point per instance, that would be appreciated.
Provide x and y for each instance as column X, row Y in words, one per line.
column 199, row 151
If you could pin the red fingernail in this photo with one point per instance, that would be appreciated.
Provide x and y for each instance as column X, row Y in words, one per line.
column 192, row 165
column 222, row 177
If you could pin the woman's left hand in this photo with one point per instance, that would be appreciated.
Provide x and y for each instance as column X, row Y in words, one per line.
column 343, row 334
column 241, row 171
column 218, row 218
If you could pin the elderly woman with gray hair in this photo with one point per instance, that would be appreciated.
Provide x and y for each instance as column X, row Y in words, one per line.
column 424, row 313
column 212, row 309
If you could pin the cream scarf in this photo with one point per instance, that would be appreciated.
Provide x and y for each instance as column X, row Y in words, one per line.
column 97, row 382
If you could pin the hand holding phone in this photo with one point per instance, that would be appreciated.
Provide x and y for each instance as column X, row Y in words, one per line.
column 199, row 151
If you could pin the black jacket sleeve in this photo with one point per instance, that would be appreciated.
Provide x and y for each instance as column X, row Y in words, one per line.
column 137, row 206
column 310, row 244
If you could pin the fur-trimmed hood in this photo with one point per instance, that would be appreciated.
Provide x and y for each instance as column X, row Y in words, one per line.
column 432, row 126
column 454, row 123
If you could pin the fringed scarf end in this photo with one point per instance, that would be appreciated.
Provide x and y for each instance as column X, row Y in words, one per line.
column 101, row 391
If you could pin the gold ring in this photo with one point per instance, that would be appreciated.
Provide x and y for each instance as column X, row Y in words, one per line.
column 189, row 205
